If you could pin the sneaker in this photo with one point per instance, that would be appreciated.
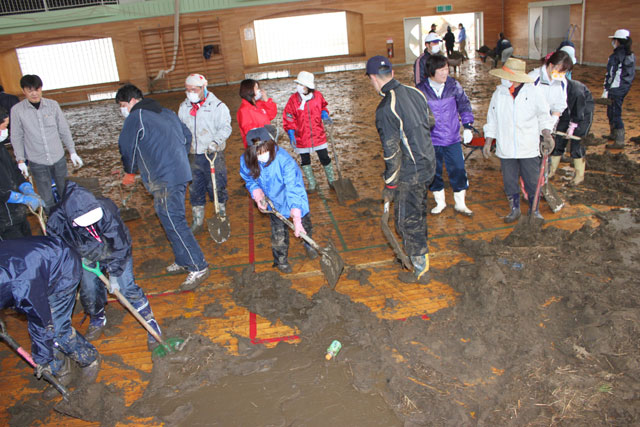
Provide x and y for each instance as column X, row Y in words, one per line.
column 284, row 268
column 96, row 326
column 194, row 279
column 175, row 269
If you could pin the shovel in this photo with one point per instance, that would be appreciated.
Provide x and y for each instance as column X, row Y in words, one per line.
column 539, row 187
column 165, row 347
column 549, row 192
column 127, row 214
column 388, row 234
column 343, row 186
column 218, row 226
column 26, row 356
column 331, row 262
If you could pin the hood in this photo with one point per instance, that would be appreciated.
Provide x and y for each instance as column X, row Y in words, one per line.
column 148, row 104
column 76, row 201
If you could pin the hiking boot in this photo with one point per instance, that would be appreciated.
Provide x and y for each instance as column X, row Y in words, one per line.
column 311, row 252
column 311, row 179
column 175, row 269
column 198, row 219
column 194, row 279
column 328, row 171
column 440, row 202
column 97, row 325
column 619, row 140
column 284, row 268
column 514, row 204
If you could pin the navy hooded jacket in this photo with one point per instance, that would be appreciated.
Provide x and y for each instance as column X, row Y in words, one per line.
column 10, row 180
column 32, row 269
column 156, row 143
column 114, row 247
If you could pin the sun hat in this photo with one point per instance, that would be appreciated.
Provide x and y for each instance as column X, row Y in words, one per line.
column 513, row 70
column 89, row 218
column 196, row 80
column 621, row 34
column 305, row 78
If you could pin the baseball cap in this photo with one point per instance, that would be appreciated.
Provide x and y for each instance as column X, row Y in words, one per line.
column 375, row 63
column 621, row 34
column 571, row 52
column 432, row 37
column 261, row 134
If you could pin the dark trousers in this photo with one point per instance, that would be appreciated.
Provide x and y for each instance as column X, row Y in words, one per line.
column 452, row 157
column 577, row 147
column 410, row 210
column 42, row 176
column 16, row 231
column 614, row 111
column 449, row 50
column 202, row 184
column 280, row 238
column 323, row 155
column 513, row 169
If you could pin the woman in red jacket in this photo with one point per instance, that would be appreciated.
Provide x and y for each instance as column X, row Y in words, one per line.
column 256, row 110
column 303, row 119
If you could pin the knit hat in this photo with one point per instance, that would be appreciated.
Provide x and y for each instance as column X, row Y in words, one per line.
column 514, row 70
column 196, row 80
column 305, row 78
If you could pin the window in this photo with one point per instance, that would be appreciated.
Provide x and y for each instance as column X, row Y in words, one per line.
column 301, row 37
column 72, row 64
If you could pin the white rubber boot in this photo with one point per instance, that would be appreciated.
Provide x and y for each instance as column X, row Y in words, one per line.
column 460, row 205
column 440, row 202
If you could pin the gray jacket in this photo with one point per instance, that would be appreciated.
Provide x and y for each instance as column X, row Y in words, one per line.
column 37, row 135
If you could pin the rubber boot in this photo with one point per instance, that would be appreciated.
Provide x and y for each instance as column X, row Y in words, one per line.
column 420, row 273
column 612, row 134
column 579, row 165
column 555, row 162
column 619, row 140
column 311, row 179
column 90, row 373
column 536, row 213
column 440, row 202
column 143, row 307
column 198, row 219
column 460, row 205
column 64, row 375
column 514, row 204
column 97, row 324
column 328, row 171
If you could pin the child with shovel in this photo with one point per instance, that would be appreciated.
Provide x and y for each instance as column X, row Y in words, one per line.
column 270, row 171
column 93, row 227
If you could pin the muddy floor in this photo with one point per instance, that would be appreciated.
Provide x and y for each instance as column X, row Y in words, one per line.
column 545, row 330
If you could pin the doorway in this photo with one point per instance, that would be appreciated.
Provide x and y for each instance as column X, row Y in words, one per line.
column 548, row 27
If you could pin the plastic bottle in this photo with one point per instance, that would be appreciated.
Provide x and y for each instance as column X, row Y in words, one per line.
column 333, row 349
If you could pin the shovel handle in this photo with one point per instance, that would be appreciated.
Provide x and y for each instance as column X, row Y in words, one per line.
column 536, row 199
column 213, row 179
column 333, row 151
column 567, row 136
column 281, row 217
column 124, row 301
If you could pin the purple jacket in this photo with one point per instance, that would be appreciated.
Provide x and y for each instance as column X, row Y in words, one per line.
column 446, row 109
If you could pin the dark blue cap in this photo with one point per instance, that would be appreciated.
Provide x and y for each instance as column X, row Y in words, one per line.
column 375, row 63
column 262, row 134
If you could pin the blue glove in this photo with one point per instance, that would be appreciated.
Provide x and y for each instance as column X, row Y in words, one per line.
column 292, row 137
column 325, row 117
column 27, row 188
column 33, row 202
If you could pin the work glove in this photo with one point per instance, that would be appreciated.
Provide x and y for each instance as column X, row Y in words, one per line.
column 467, row 136
column 27, row 188
column 40, row 370
column 129, row 179
column 486, row 150
column 292, row 137
column 572, row 128
column 389, row 193
column 325, row 117
column 24, row 169
column 547, row 144
column 76, row 160
column 213, row 147
column 258, row 197
column 113, row 284
column 298, row 229
column 31, row 201
column 605, row 94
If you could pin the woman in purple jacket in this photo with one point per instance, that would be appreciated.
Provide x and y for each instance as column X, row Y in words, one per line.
column 449, row 105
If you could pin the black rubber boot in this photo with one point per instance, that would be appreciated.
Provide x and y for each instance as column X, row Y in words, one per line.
column 619, row 140
column 611, row 134
column 514, row 204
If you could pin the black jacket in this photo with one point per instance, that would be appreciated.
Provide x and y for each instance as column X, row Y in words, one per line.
column 502, row 45
column 579, row 109
column 621, row 70
column 402, row 119
column 449, row 39
column 10, row 180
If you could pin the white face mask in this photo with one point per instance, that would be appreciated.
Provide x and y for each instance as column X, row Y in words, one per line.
column 435, row 48
column 613, row 43
column 193, row 97
column 258, row 95
column 124, row 111
column 506, row 83
column 4, row 134
column 301, row 89
column 264, row 157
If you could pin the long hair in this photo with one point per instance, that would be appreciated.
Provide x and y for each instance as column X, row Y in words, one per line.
column 247, row 90
column 251, row 156
column 626, row 43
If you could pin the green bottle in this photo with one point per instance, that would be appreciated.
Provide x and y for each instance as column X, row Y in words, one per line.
column 333, row 349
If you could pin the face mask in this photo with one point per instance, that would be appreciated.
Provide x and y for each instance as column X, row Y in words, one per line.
column 4, row 134
column 613, row 43
column 264, row 157
column 193, row 97
column 124, row 112
column 557, row 75
column 301, row 89
column 258, row 95
column 568, row 75
column 506, row 83
column 435, row 48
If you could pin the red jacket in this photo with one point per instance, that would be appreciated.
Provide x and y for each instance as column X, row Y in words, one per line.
column 251, row 117
column 308, row 123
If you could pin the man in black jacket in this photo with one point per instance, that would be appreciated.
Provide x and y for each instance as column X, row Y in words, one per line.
column 402, row 119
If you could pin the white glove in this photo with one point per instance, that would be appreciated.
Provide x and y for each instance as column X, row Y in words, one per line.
column 76, row 160
column 213, row 147
column 24, row 169
column 113, row 284
column 605, row 93
column 467, row 136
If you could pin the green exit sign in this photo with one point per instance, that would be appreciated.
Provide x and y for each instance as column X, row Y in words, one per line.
column 444, row 8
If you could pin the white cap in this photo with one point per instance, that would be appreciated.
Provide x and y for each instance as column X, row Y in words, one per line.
column 196, row 80
column 571, row 52
column 89, row 218
column 432, row 37
column 621, row 34
column 305, row 78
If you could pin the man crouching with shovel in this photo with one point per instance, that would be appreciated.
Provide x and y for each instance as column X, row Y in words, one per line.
column 402, row 119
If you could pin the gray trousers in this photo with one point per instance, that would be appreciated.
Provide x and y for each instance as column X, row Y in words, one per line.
column 42, row 176
column 513, row 169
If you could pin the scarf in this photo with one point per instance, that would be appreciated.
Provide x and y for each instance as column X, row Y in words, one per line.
column 196, row 106
column 304, row 99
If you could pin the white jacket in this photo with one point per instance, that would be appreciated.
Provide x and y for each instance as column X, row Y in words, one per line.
column 554, row 91
column 213, row 123
column 516, row 124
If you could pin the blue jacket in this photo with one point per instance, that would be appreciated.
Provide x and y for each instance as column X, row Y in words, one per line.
column 31, row 270
column 156, row 143
column 281, row 181
column 621, row 70
column 114, row 249
column 10, row 180
column 452, row 104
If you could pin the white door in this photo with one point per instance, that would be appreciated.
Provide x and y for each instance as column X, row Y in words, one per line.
column 412, row 39
column 479, row 33
column 535, row 32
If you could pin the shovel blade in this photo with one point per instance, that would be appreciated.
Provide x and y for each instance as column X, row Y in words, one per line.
column 219, row 229
column 345, row 190
column 129, row 214
column 331, row 264
column 552, row 197
column 170, row 345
